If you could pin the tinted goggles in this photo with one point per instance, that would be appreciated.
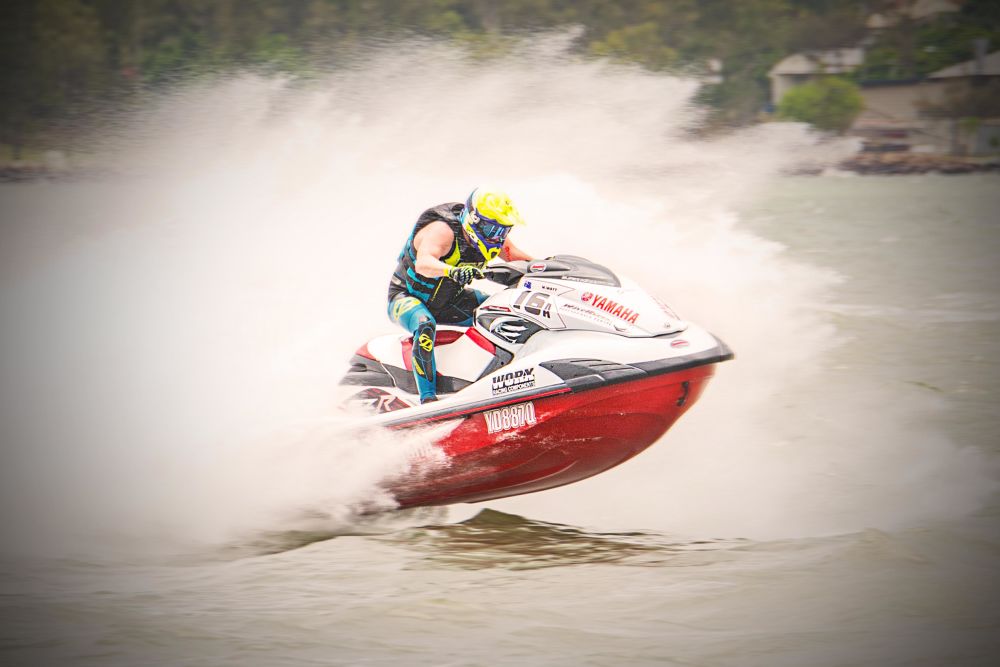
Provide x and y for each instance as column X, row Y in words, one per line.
column 490, row 231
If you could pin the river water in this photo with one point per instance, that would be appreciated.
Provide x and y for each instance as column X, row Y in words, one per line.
column 177, row 489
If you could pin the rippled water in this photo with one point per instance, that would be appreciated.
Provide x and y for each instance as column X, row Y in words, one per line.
column 176, row 491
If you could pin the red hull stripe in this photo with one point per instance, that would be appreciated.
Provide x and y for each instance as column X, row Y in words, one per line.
column 481, row 341
column 408, row 354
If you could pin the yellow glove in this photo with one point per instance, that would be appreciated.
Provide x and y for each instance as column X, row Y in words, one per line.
column 463, row 275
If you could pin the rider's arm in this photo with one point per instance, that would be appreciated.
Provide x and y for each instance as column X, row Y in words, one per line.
column 432, row 242
column 511, row 252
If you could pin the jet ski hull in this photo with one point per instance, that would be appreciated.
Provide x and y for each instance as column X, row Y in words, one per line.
column 548, row 440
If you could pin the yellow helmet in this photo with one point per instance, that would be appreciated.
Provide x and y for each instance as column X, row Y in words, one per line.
column 487, row 218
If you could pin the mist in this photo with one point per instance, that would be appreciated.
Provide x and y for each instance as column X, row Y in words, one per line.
column 173, row 333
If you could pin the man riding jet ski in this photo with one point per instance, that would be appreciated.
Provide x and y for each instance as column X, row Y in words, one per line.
column 566, row 371
column 447, row 249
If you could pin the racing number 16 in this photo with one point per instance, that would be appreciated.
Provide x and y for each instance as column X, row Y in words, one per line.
column 535, row 303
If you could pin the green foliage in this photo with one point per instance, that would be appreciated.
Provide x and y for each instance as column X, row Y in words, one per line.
column 636, row 43
column 912, row 49
column 277, row 52
column 831, row 103
column 72, row 60
column 60, row 59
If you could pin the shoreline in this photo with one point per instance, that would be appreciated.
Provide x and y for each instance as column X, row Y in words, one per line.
column 872, row 163
column 864, row 164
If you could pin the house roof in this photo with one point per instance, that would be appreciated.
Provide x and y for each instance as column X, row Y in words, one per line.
column 991, row 67
column 916, row 10
column 923, row 8
column 834, row 61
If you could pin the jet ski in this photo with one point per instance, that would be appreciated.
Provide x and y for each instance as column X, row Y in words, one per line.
column 567, row 371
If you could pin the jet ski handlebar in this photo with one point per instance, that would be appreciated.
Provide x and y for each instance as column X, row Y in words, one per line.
column 506, row 273
column 555, row 267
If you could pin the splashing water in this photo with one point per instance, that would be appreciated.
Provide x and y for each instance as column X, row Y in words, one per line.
column 170, row 361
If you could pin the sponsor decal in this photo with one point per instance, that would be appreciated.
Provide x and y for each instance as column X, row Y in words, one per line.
column 614, row 308
column 537, row 267
column 425, row 342
column 527, row 284
column 585, row 312
column 680, row 342
column 380, row 400
column 587, row 296
column 510, row 417
column 506, row 383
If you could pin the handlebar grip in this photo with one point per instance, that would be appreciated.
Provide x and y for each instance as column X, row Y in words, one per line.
column 504, row 274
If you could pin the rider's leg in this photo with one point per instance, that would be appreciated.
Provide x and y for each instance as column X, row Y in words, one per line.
column 414, row 316
column 424, row 368
column 461, row 311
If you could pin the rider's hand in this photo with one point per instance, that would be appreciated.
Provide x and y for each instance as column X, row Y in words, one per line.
column 463, row 275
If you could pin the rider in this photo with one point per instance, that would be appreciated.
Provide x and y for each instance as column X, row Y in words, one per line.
column 452, row 241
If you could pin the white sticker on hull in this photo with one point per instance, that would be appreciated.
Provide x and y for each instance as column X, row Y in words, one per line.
column 510, row 417
column 513, row 381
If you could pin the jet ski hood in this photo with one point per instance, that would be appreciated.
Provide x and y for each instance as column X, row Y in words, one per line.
column 571, row 293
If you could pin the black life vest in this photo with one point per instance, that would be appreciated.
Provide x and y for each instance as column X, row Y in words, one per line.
column 434, row 291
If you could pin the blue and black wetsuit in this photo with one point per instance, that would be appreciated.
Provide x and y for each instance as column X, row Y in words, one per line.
column 418, row 303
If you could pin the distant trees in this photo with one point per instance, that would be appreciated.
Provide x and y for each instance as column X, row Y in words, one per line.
column 61, row 60
column 830, row 103
column 51, row 59
column 636, row 43
column 909, row 48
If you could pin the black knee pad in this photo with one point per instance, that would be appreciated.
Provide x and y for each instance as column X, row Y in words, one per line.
column 423, row 344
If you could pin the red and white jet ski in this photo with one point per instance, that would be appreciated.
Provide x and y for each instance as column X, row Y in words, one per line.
column 567, row 372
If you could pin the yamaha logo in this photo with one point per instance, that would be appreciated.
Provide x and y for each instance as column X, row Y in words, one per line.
column 615, row 308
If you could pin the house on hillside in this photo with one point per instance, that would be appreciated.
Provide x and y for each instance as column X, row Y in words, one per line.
column 800, row 68
column 955, row 110
column 914, row 10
